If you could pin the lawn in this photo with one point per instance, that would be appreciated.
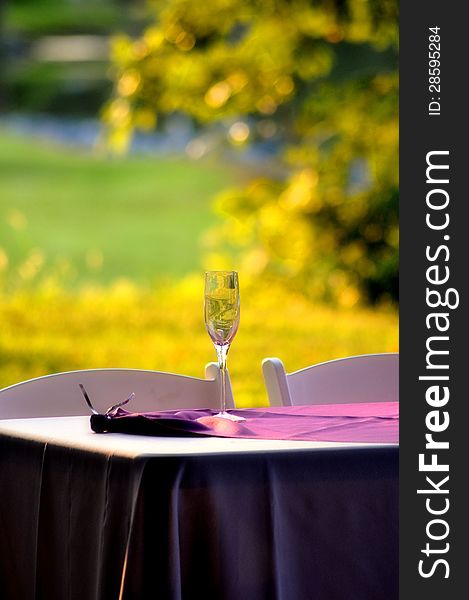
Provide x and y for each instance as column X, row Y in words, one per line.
column 98, row 218
column 61, row 212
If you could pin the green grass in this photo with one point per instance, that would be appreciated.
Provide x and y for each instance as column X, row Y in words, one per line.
column 144, row 215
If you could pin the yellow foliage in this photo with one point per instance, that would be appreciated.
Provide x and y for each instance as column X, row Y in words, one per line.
column 320, row 81
column 47, row 329
column 218, row 94
column 128, row 83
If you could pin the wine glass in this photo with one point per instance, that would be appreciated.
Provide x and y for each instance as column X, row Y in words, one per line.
column 221, row 309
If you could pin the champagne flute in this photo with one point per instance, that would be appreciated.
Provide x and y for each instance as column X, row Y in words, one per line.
column 221, row 309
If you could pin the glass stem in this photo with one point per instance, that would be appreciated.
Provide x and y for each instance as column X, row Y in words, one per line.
column 222, row 352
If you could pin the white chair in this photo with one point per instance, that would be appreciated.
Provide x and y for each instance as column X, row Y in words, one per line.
column 60, row 395
column 365, row 378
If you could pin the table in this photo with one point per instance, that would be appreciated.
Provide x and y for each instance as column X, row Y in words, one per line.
column 84, row 515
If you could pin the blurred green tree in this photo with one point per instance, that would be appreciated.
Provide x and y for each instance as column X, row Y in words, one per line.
column 317, row 78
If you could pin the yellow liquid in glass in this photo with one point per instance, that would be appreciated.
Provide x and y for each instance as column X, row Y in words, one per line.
column 222, row 315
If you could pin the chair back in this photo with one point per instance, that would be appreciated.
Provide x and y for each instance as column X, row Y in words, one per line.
column 60, row 395
column 365, row 378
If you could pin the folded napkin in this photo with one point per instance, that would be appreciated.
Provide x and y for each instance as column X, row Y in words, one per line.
column 368, row 422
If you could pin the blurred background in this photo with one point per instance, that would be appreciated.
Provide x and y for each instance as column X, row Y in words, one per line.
column 142, row 142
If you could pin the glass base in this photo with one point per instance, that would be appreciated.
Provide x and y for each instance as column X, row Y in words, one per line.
column 225, row 415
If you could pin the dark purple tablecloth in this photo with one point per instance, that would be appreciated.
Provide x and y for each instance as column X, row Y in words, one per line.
column 368, row 422
column 285, row 525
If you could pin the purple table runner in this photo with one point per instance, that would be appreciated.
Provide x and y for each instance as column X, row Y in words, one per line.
column 376, row 422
